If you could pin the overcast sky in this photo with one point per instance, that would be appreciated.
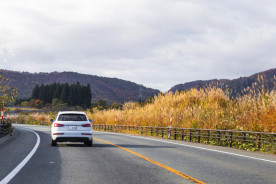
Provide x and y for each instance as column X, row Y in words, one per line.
column 157, row 43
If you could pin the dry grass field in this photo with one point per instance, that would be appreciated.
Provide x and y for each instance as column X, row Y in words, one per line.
column 209, row 108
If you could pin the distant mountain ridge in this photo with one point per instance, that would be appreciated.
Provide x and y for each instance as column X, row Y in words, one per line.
column 235, row 86
column 119, row 91
column 102, row 88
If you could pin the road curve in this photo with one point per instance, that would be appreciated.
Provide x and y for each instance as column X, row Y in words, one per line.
column 116, row 158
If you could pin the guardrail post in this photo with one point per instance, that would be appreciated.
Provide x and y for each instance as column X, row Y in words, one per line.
column 208, row 136
column 170, row 129
column 259, row 141
column 230, row 141
column 162, row 132
column 175, row 134
column 141, row 130
column 243, row 137
column 151, row 131
column 198, row 137
column 218, row 138
column 190, row 135
column 182, row 134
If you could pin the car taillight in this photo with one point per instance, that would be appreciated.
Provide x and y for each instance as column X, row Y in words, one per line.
column 86, row 125
column 58, row 125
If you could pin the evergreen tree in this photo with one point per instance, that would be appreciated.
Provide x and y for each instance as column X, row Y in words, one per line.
column 58, row 91
column 83, row 96
column 48, row 96
column 35, row 93
column 72, row 100
column 78, row 94
column 52, row 90
column 65, row 93
column 42, row 94
column 74, row 94
column 88, row 96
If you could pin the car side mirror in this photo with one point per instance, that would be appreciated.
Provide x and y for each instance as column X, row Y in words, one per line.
column 90, row 120
column 51, row 120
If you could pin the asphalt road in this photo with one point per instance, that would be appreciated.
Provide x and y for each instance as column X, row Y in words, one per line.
column 116, row 158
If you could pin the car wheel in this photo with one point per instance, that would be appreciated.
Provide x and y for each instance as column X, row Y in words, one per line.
column 89, row 143
column 54, row 143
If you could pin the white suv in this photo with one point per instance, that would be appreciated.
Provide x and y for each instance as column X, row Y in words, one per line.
column 71, row 126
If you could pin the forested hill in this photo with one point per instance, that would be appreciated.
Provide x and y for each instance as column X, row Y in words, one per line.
column 236, row 86
column 102, row 88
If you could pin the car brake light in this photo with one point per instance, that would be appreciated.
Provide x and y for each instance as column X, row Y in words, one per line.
column 58, row 125
column 58, row 133
column 86, row 125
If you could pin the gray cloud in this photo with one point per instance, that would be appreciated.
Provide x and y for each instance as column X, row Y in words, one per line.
column 155, row 43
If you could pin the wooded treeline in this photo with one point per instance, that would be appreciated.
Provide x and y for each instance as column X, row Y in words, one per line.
column 73, row 95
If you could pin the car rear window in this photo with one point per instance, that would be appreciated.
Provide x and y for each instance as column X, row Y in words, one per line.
column 72, row 117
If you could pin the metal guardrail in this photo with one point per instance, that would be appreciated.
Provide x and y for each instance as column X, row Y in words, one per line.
column 237, row 139
column 208, row 136
column 5, row 128
column 34, row 123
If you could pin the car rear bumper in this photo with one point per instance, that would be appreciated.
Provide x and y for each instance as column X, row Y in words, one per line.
column 72, row 139
column 67, row 136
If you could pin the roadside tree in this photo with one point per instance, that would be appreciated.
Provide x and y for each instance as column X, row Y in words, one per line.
column 7, row 93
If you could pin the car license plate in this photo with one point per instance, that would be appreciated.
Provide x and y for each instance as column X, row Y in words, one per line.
column 72, row 127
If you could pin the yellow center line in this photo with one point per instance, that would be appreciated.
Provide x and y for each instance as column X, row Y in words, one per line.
column 157, row 163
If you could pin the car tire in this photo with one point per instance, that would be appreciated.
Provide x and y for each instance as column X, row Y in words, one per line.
column 89, row 143
column 54, row 143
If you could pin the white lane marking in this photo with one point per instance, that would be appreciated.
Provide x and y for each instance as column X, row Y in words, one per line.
column 207, row 149
column 12, row 174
